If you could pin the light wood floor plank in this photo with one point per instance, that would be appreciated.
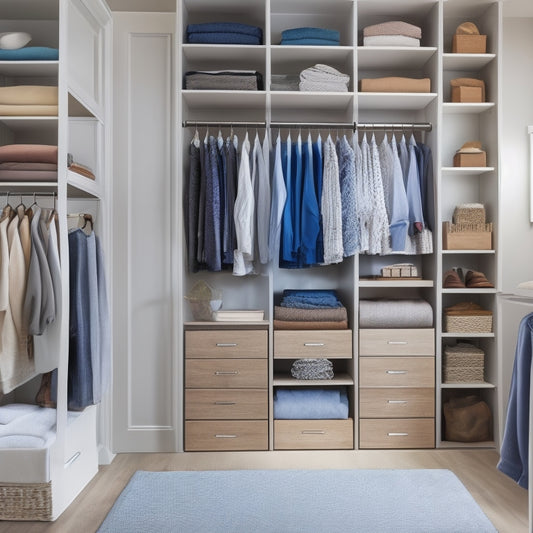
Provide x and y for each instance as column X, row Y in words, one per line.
column 503, row 501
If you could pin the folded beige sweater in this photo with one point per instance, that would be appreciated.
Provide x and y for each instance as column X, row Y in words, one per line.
column 394, row 27
column 28, row 153
column 395, row 85
column 27, row 110
column 28, row 95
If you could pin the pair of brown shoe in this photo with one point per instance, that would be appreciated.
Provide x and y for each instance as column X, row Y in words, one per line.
column 454, row 279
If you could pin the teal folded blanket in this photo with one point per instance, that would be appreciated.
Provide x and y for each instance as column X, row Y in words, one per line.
column 311, row 33
column 30, row 53
column 311, row 403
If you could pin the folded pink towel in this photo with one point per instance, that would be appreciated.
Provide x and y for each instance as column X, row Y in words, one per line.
column 28, row 153
column 394, row 27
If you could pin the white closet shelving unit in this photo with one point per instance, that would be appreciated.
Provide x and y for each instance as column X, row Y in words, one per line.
column 452, row 125
column 81, row 30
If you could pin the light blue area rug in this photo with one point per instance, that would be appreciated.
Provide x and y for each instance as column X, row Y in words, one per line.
column 296, row 501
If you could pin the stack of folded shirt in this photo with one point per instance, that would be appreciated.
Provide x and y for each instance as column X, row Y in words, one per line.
column 310, row 37
column 394, row 33
column 310, row 309
column 13, row 48
column 223, row 80
column 323, row 78
column 224, row 33
column 284, row 82
column 28, row 100
column 28, row 162
column 312, row 369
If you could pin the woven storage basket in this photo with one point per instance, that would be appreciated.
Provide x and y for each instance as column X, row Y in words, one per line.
column 469, row 214
column 26, row 501
column 463, row 363
column 480, row 323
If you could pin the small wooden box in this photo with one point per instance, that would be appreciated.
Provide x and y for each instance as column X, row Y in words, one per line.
column 467, row 94
column 470, row 160
column 469, row 44
column 465, row 240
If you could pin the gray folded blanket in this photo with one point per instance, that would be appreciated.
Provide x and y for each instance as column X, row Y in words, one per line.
column 334, row 314
column 383, row 313
column 224, row 80
column 312, row 369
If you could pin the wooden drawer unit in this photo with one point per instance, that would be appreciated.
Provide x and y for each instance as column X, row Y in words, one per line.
column 232, row 344
column 397, row 433
column 397, row 403
column 317, row 343
column 396, row 342
column 226, row 404
column 230, row 435
column 226, row 373
column 397, row 372
column 313, row 434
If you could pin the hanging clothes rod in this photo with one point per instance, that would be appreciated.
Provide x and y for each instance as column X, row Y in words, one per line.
column 418, row 126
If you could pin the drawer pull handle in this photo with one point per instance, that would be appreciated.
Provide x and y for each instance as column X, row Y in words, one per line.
column 229, row 373
column 313, row 432
column 72, row 459
column 396, row 342
column 314, row 344
column 397, row 401
column 226, row 344
column 222, row 436
column 398, row 434
column 225, row 403
column 396, row 371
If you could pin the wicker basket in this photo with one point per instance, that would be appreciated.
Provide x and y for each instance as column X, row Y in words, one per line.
column 469, row 214
column 463, row 363
column 26, row 501
column 463, row 323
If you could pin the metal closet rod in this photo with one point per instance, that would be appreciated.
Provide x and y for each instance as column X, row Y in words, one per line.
column 371, row 126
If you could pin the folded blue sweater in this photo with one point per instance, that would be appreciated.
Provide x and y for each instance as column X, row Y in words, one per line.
column 222, row 38
column 309, row 42
column 225, row 27
column 311, row 33
column 310, row 299
column 311, row 404
column 30, row 53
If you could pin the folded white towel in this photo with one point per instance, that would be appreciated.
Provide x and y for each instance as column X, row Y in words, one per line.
column 390, row 40
column 14, row 39
column 323, row 78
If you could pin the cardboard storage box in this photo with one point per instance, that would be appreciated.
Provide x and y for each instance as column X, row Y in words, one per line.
column 469, row 44
column 477, row 159
column 467, row 94
column 466, row 240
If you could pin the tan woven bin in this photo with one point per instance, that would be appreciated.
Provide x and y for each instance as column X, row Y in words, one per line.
column 480, row 323
column 463, row 363
column 26, row 501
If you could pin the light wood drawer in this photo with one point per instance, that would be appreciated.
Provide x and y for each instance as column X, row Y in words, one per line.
column 397, row 433
column 226, row 404
column 316, row 343
column 397, row 372
column 231, row 344
column 313, row 434
column 226, row 373
column 396, row 403
column 213, row 435
column 397, row 341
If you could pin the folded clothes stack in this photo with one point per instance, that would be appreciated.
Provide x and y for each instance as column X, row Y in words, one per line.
column 323, row 78
column 311, row 403
column 28, row 162
column 393, row 33
column 13, row 48
column 28, row 100
column 224, row 80
column 310, row 37
column 284, row 82
column 224, row 33
column 310, row 309
column 312, row 369
column 391, row 313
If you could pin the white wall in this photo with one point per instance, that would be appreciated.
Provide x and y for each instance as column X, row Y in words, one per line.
column 517, row 89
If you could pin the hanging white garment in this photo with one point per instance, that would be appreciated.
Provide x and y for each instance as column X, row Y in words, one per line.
column 347, row 180
column 261, row 182
column 331, row 207
column 364, row 193
column 244, row 216
column 279, row 196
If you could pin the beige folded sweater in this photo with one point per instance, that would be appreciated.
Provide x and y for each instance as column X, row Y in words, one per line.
column 27, row 110
column 28, row 95
column 395, row 85
column 394, row 27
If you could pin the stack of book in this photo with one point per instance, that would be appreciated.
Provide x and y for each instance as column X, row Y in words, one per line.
column 239, row 315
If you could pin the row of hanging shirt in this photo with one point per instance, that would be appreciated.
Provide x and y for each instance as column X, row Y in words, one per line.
column 320, row 202
column 30, row 293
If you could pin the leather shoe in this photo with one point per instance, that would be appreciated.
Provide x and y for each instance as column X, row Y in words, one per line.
column 452, row 280
column 477, row 280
